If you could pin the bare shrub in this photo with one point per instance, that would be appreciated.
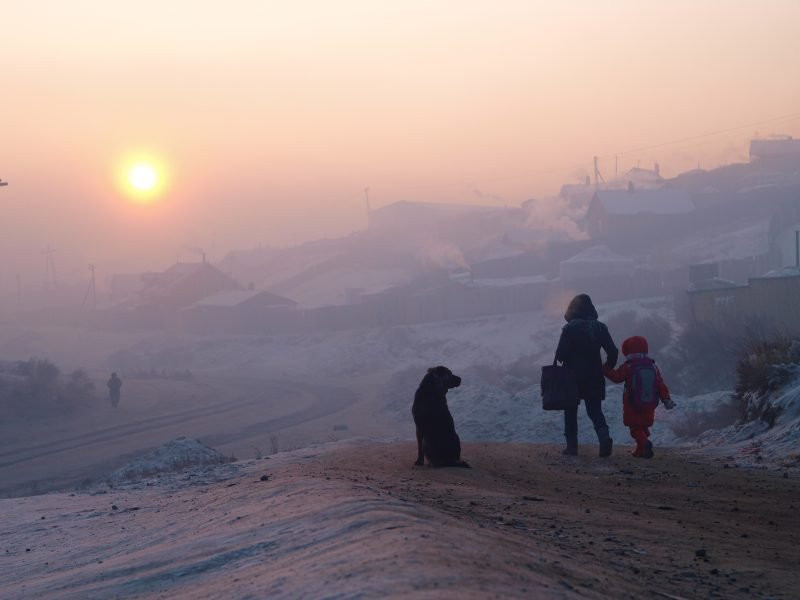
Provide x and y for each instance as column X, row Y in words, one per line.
column 36, row 385
column 764, row 367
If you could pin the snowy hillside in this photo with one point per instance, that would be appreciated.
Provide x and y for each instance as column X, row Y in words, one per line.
column 756, row 443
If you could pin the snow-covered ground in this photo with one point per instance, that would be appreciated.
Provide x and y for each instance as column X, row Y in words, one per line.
column 356, row 520
column 756, row 444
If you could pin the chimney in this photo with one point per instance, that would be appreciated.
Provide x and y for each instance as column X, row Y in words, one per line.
column 657, row 170
column 588, row 180
column 630, row 186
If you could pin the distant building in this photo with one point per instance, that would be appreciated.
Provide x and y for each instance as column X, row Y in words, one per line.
column 609, row 276
column 641, row 179
column 620, row 214
column 240, row 311
column 577, row 195
column 779, row 150
column 184, row 284
column 595, row 262
column 770, row 300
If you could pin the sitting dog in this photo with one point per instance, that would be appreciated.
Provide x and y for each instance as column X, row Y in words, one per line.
column 436, row 433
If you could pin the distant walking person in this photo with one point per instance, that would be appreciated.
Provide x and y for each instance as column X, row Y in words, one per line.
column 579, row 349
column 114, row 385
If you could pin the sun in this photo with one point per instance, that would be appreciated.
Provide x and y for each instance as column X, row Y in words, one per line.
column 142, row 177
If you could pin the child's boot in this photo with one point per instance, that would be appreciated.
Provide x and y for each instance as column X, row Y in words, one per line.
column 648, row 450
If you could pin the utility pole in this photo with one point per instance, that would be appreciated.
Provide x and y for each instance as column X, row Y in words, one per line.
column 597, row 175
column 366, row 197
column 91, row 290
column 93, row 287
column 49, row 269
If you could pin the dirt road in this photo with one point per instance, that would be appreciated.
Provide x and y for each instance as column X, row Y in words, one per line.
column 671, row 527
column 355, row 519
column 232, row 414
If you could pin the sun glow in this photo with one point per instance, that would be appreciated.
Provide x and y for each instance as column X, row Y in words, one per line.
column 143, row 179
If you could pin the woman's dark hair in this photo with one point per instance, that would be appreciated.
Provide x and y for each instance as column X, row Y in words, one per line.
column 580, row 307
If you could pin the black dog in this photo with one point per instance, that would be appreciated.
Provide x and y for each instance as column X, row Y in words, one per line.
column 436, row 433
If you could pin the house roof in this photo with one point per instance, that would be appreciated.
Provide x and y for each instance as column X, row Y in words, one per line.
column 715, row 283
column 181, row 286
column 782, row 272
column 654, row 202
column 775, row 147
column 231, row 298
column 597, row 254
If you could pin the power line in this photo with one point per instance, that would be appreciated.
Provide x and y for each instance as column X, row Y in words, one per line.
column 790, row 117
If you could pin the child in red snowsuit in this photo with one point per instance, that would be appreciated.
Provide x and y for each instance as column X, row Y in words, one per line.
column 639, row 416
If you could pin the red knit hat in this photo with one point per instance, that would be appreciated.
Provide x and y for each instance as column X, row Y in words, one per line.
column 634, row 345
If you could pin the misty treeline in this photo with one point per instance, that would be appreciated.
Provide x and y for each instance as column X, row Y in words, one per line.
column 38, row 386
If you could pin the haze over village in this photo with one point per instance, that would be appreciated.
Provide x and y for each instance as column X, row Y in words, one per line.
column 258, row 259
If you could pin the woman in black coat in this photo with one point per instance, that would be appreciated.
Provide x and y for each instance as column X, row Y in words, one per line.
column 579, row 349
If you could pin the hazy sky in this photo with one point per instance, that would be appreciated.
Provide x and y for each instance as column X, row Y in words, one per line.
column 272, row 117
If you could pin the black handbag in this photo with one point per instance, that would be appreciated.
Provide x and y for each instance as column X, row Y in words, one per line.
column 559, row 388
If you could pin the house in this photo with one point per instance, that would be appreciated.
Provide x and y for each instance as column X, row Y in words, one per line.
column 640, row 178
column 634, row 214
column 541, row 261
column 240, row 311
column 595, row 262
column 184, row 284
column 781, row 150
column 162, row 295
column 770, row 300
column 577, row 195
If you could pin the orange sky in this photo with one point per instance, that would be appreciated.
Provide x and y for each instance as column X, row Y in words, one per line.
column 273, row 116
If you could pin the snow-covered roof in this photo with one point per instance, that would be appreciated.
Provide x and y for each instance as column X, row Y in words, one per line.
column 598, row 254
column 782, row 272
column 715, row 283
column 231, row 298
column 775, row 147
column 507, row 281
column 656, row 202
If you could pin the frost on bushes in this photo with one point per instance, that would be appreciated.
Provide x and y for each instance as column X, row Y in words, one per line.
column 763, row 368
column 35, row 385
